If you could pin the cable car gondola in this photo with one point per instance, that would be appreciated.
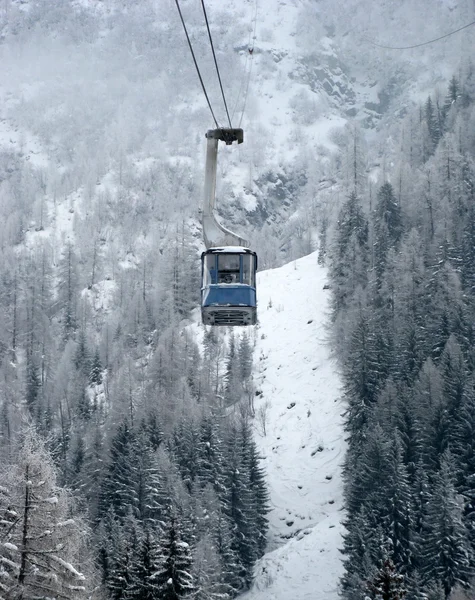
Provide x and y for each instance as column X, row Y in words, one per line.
column 228, row 291
column 228, row 271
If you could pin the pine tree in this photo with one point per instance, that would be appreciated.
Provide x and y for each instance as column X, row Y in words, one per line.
column 154, row 429
column 468, row 85
column 446, row 310
column 233, row 377
column 353, row 159
column 452, row 96
column 33, row 385
column 165, row 492
column 174, row 578
column 467, row 273
column 366, row 487
column 364, row 548
column 82, row 356
column 219, row 528
column 245, row 357
column 421, row 494
column 463, row 448
column 260, row 497
column 185, row 450
column 388, row 225
column 143, row 584
column 238, row 503
column 397, row 515
column 409, row 429
column 361, row 376
column 208, row 572
column 106, row 537
column 123, row 561
column 85, row 465
column 210, row 452
column 68, row 290
column 445, row 550
column 95, row 375
column 143, row 470
column 119, row 484
column 415, row 588
column 410, row 302
column 441, row 416
column 76, row 460
column 454, row 373
column 349, row 253
column 432, row 123
column 322, row 246
column 388, row 584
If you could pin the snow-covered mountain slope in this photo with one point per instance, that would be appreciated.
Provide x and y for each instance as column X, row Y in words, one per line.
column 106, row 93
column 302, row 445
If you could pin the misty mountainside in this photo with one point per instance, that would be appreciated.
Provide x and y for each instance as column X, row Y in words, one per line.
column 133, row 456
column 103, row 96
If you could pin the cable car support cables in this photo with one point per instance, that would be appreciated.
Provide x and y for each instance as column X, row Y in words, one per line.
column 216, row 62
column 422, row 43
column 251, row 54
column 196, row 64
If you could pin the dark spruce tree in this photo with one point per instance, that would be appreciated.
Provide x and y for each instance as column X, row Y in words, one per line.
column 145, row 565
column 210, row 453
column 387, row 225
column 362, row 378
column 394, row 509
column 388, row 584
column 363, row 548
column 118, row 490
column 185, row 446
column 463, row 449
column 174, row 578
column 260, row 495
column 237, row 502
column 95, row 374
column 349, row 253
column 432, row 121
column 126, row 561
column 445, row 550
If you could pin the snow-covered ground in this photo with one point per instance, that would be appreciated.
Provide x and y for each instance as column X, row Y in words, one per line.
column 302, row 447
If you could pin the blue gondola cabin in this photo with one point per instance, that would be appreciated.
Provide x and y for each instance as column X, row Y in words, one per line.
column 228, row 288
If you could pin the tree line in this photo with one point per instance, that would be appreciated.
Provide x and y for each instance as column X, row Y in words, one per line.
column 161, row 496
column 403, row 311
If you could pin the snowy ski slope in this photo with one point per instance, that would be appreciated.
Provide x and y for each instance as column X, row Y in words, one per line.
column 303, row 446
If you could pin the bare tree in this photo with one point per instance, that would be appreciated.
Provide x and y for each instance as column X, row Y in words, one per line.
column 39, row 538
column 263, row 417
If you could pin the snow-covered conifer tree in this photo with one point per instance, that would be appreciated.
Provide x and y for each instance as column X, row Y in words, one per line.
column 43, row 543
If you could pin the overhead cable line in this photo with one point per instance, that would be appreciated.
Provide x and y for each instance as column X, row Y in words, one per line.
column 196, row 64
column 423, row 43
column 241, row 85
column 247, row 89
column 251, row 54
column 215, row 61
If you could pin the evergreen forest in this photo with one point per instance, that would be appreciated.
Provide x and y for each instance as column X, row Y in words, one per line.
column 403, row 281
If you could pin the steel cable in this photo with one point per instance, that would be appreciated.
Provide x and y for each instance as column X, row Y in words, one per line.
column 196, row 64
column 423, row 43
column 216, row 62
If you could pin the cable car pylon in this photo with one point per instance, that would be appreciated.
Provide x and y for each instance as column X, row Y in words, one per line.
column 228, row 286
